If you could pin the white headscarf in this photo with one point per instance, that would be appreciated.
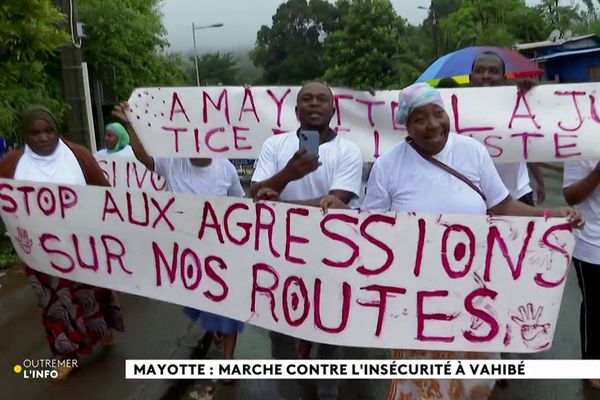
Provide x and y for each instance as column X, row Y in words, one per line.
column 414, row 96
column 59, row 167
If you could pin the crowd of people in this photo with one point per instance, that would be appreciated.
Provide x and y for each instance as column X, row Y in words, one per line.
column 433, row 171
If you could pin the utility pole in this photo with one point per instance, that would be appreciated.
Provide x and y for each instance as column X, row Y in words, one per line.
column 71, row 57
column 436, row 42
column 194, row 29
column 435, row 21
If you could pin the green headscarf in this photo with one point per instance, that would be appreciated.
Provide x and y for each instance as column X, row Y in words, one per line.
column 32, row 114
column 123, row 136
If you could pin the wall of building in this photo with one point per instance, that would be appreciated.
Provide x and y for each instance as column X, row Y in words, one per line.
column 574, row 68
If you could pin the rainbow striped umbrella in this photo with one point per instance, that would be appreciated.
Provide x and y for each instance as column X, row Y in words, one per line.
column 458, row 65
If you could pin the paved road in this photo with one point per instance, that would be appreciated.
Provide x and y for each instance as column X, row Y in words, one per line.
column 154, row 330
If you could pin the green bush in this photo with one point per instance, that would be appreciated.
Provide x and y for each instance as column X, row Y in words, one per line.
column 8, row 255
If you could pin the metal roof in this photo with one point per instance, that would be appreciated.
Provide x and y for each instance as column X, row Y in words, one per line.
column 549, row 43
column 565, row 53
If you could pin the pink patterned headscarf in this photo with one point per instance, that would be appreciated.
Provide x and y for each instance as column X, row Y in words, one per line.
column 416, row 95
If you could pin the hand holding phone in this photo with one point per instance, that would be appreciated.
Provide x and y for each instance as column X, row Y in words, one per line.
column 306, row 159
column 309, row 140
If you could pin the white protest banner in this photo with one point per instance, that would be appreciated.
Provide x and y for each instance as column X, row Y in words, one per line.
column 389, row 280
column 550, row 123
column 128, row 173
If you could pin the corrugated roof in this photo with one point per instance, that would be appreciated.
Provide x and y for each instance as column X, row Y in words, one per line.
column 549, row 43
column 566, row 53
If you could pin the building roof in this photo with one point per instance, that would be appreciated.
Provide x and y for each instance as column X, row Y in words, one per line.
column 566, row 53
column 550, row 43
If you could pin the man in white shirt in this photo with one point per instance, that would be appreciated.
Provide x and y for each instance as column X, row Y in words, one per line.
column 489, row 70
column 304, row 178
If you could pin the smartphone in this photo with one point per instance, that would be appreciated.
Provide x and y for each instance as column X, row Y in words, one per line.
column 310, row 140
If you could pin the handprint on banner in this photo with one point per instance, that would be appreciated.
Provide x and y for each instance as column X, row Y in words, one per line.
column 533, row 333
column 23, row 239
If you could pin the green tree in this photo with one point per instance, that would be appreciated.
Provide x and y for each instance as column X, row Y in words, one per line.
column 557, row 16
column 591, row 8
column 492, row 22
column 443, row 8
column 214, row 69
column 370, row 49
column 434, row 40
column 30, row 37
column 129, row 36
column 290, row 50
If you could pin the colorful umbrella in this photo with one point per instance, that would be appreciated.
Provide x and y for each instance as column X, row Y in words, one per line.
column 458, row 65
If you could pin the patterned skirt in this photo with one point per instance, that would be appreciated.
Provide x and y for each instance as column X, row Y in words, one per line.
column 440, row 389
column 76, row 316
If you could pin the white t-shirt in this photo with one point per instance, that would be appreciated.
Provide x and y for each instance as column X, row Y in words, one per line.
column 516, row 178
column 402, row 180
column 219, row 178
column 587, row 239
column 125, row 152
column 341, row 167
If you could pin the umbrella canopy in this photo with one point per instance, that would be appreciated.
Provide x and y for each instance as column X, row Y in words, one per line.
column 458, row 65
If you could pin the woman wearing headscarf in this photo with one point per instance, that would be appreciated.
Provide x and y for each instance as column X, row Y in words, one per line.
column 440, row 172
column 116, row 139
column 75, row 316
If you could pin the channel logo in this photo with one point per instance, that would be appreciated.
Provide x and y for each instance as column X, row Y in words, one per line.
column 42, row 368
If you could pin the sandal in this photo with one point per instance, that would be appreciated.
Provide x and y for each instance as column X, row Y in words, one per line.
column 63, row 372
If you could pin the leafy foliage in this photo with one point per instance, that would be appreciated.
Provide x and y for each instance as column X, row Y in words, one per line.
column 215, row 69
column 30, row 37
column 290, row 50
column 363, row 43
column 492, row 22
column 129, row 36
column 126, row 34
column 370, row 49
column 8, row 255
column 557, row 16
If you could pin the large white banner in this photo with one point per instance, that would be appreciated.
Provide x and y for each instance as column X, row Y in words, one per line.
column 360, row 279
column 550, row 123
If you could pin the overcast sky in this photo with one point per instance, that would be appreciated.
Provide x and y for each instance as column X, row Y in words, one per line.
column 242, row 19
